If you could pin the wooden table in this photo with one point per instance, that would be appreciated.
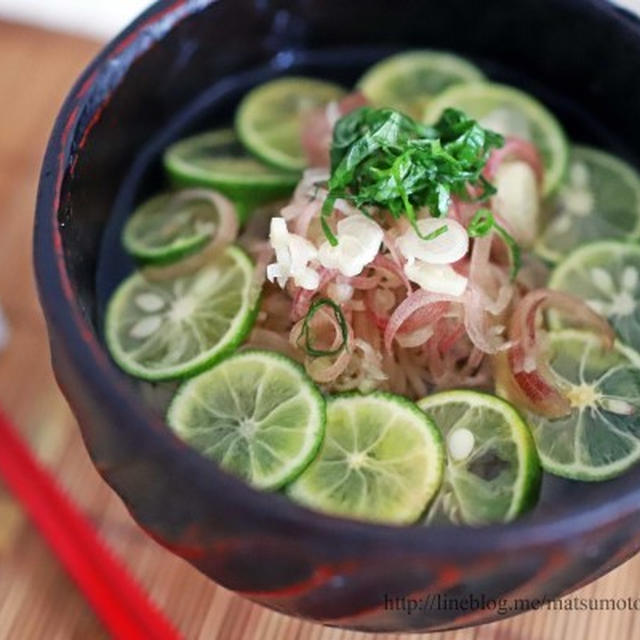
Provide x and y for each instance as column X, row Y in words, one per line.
column 37, row 600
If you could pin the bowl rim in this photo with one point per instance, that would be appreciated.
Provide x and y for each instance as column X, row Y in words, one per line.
column 90, row 359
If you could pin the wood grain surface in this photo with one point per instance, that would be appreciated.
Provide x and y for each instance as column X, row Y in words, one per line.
column 37, row 600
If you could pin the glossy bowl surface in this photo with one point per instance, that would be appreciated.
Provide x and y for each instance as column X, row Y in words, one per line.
column 181, row 67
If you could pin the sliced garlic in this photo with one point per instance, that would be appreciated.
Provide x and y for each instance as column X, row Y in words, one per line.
column 517, row 200
column 293, row 254
column 447, row 247
column 359, row 240
column 436, row 278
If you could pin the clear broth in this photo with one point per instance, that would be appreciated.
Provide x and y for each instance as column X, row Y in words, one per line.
column 215, row 107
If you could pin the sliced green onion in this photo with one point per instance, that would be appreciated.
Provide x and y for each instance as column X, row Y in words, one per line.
column 325, row 213
column 306, row 329
column 514, row 250
column 481, row 223
column 488, row 190
column 435, row 233
column 333, row 241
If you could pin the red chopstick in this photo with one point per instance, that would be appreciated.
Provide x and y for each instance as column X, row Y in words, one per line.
column 117, row 599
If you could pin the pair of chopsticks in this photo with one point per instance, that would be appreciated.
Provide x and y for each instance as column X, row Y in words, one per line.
column 117, row 599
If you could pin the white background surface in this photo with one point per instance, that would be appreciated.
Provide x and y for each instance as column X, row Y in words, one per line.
column 102, row 18
column 633, row 5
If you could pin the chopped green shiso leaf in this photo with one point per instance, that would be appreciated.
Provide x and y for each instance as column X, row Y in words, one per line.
column 383, row 159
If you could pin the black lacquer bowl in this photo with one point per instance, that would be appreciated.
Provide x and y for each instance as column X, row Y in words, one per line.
column 182, row 67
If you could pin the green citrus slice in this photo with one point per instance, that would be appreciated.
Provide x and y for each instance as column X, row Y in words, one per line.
column 269, row 119
column 607, row 276
column 256, row 413
column 600, row 438
column 510, row 111
column 493, row 472
column 176, row 327
column 408, row 81
column 218, row 160
column 171, row 226
column 599, row 200
column 381, row 460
